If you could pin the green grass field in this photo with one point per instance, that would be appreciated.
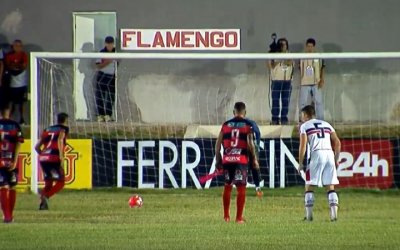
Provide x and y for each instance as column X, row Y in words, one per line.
column 192, row 219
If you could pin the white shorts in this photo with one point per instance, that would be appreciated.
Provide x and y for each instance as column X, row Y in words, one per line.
column 322, row 169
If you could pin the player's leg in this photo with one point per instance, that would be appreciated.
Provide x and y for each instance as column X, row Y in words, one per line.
column 240, row 181
column 275, row 96
column 48, row 184
column 59, row 177
column 313, row 173
column 226, row 196
column 286, row 92
column 5, row 204
column 12, row 193
column 256, row 174
column 309, row 200
column 329, row 180
column 333, row 200
column 4, row 200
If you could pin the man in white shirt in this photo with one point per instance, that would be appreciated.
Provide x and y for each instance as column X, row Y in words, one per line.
column 321, row 168
column 312, row 80
column 105, row 83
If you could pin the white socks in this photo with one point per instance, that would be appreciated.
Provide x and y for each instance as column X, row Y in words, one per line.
column 309, row 203
column 333, row 201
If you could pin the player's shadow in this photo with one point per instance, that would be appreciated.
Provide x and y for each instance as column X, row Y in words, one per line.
column 86, row 67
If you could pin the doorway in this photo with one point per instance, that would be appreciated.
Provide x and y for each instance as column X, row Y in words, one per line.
column 90, row 29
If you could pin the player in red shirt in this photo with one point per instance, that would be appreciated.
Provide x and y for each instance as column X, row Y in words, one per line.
column 236, row 137
column 10, row 143
column 51, row 156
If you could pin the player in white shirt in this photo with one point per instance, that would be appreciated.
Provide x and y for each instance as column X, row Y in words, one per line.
column 324, row 146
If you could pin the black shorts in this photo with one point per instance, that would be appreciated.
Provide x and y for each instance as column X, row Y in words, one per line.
column 5, row 96
column 8, row 177
column 52, row 171
column 19, row 95
column 235, row 174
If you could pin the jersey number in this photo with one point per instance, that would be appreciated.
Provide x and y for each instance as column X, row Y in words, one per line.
column 321, row 134
column 235, row 137
column 4, row 145
column 51, row 139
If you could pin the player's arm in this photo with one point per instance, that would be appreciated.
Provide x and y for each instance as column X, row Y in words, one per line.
column 16, row 153
column 60, row 144
column 335, row 141
column 218, row 145
column 252, row 149
column 20, row 139
column 38, row 146
column 302, row 150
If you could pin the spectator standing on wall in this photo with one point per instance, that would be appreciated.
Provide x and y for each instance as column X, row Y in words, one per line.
column 16, row 63
column 281, row 85
column 105, row 83
column 312, row 80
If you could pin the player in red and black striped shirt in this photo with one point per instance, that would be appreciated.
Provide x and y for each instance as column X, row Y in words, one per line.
column 10, row 143
column 236, row 137
column 51, row 156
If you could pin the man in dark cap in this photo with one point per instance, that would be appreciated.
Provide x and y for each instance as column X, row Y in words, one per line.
column 105, row 83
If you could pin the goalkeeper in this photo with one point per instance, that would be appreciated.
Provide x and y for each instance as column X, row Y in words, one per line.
column 256, row 173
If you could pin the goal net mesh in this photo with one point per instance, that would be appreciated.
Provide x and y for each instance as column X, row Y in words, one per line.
column 160, row 131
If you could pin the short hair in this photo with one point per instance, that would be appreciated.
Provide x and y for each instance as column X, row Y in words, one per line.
column 62, row 117
column 4, row 106
column 240, row 107
column 311, row 40
column 109, row 39
column 309, row 110
column 17, row 41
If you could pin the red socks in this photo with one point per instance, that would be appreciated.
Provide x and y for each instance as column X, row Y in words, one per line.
column 5, row 205
column 50, row 190
column 48, row 184
column 226, row 199
column 12, row 197
column 55, row 189
column 240, row 200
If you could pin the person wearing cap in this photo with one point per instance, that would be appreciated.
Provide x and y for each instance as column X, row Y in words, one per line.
column 105, row 83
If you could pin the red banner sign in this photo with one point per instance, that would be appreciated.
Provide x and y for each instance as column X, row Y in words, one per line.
column 366, row 163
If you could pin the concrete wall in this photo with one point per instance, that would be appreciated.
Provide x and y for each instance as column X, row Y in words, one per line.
column 204, row 91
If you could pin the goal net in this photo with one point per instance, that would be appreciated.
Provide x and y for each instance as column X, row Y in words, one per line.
column 158, row 128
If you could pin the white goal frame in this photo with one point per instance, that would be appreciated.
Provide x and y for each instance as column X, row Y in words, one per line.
column 34, row 84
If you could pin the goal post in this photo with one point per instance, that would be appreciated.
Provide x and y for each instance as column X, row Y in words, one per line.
column 35, row 79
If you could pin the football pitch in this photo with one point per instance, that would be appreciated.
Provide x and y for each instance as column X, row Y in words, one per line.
column 192, row 219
